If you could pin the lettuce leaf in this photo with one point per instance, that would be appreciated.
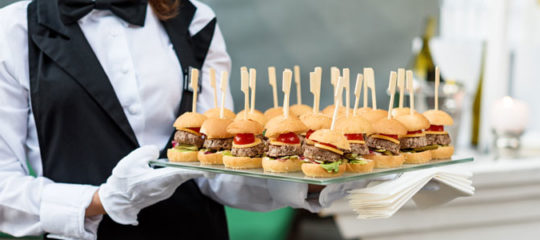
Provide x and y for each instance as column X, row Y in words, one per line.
column 331, row 167
column 226, row 153
column 186, row 148
column 358, row 161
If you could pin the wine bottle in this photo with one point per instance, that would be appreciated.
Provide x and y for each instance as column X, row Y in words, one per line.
column 423, row 64
column 477, row 103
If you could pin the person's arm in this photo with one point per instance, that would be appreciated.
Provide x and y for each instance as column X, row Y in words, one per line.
column 30, row 205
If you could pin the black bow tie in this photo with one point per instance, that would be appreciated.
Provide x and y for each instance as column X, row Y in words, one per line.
column 132, row 11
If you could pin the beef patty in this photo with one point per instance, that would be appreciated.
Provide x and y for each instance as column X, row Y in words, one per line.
column 413, row 142
column 182, row 137
column 316, row 153
column 377, row 143
column 359, row 149
column 254, row 151
column 285, row 150
column 218, row 144
column 440, row 139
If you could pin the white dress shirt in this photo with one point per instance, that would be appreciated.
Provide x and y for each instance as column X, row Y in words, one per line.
column 147, row 78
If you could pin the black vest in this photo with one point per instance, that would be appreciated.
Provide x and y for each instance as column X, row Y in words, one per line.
column 82, row 129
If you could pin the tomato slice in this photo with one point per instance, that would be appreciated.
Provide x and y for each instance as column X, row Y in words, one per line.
column 355, row 136
column 436, row 128
column 196, row 129
column 390, row 135
column 414, row 132
column 244, row 138
column 326, row 144
column 309, row 133
column 290, row 138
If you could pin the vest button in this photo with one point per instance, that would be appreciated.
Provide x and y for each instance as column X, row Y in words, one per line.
column 134, row 109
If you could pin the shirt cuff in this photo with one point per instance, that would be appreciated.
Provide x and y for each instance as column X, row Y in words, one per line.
column 292, row 194
column 62, row 211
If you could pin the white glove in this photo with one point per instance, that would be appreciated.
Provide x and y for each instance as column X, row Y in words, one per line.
column 134, row 185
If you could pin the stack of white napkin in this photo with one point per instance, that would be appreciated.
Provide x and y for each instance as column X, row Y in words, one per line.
column 384, row 198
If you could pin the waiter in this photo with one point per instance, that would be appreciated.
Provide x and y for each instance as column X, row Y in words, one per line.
column 88, row 94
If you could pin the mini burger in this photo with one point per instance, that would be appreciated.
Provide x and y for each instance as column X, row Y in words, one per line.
column 187, row 139
column 374, row 115
column 284, row 148
column 247, row 146
column 274, row 112
column 396, row 112
column 413, row 145
column 217, row 140
column 255, row 116
column 436, row 136
column 329, row 110
column 355, row 129
column 384, row 144
column 214, row 113
column 300, row 109
column 324, row 158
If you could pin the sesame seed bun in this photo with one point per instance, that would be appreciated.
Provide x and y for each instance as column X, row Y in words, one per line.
column 279, row 166
column 418, row 157
column 442, row 152
column 401, row 111
column 178, row 156
column 353, row 124
column 316, row 121
column 333, row 137
column 389, row 126
column 214, row 113
column 255, row 116
column 210, row 159
column 242, row 162
column 383, row 161
column 245, row 126
column 315, row 170
column 189, row 120
column 284, row 125
column 374, row 115
column 273, row 112
column 277, row 119
column 216, row 128
column 438, row 117
column 413, row 122
column 300, row 109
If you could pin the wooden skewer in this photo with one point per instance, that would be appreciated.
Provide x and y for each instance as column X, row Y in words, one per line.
column 357, row 89
column 392, row 89
column 297, row 81
column 272, row 82
column 252, row 85
column 365, row 103
column 213, row 85
column 346, row 85
column 313, row 88
column 410, row 88
column 369, row 76
column 286, row 87
column 244, row 77
column 337, row 96
column 223, row 88
column 318, row 78
column 401, row 84
column 334, row 75
column 195, row 86
column 437, row 80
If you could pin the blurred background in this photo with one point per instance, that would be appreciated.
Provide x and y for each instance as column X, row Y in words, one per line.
column 488, row 52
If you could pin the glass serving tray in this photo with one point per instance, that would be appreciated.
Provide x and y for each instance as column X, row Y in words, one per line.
column 299, row 176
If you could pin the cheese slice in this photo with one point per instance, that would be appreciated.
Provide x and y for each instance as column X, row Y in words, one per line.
column 257, row 141
column 278, row 143
column 357, row 141
column 190, row 131
column 434, row 132
column 385, row 138
column 415, row 135
column 331, row 149
column 309, row 142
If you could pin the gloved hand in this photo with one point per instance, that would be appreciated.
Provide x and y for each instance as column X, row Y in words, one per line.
column 134, row 185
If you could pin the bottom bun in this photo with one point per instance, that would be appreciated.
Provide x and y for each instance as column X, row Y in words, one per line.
column 384, row 161
column 442, row 152
column 315, row 170
column 289, row 165
column 361, row 168
column 418, row 157
column 178, row 156
column 211, row 158
column 242, row 162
